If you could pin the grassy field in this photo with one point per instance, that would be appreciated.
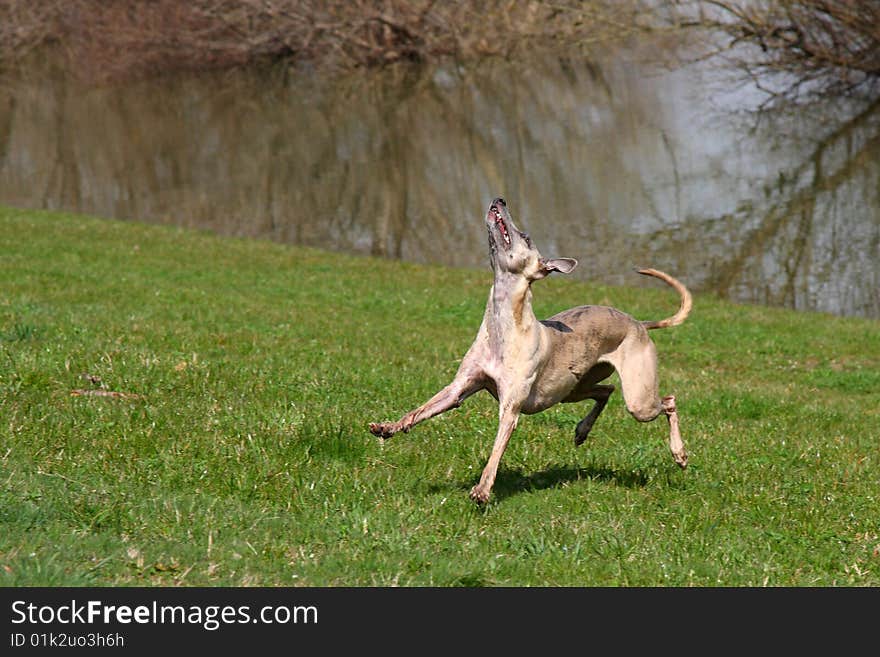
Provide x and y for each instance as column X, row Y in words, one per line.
column 241, row 456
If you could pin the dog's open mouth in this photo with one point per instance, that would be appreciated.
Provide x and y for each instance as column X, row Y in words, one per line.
column 499, row 221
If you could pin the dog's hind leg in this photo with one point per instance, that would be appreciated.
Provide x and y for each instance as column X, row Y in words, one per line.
column 676, row 444
column 600, row 394
column 588, row 388
column 636, row 363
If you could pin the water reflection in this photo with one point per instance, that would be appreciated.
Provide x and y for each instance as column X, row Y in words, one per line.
column 615, row 165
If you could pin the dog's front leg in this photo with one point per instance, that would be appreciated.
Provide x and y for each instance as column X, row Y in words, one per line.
column 508, row 418
column 468, row 380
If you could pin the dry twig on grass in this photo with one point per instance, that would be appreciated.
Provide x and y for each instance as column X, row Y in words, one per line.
column 112, row 394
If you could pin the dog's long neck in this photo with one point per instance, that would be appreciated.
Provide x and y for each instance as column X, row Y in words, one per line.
column 509, row 310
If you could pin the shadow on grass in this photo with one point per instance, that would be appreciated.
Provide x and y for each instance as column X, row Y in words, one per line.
column 511, row 482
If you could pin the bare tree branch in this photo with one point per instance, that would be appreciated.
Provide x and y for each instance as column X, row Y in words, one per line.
column 800, row 48
column 130, row 38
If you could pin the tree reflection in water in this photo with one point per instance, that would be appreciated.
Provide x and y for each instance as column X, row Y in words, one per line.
column 614, row 164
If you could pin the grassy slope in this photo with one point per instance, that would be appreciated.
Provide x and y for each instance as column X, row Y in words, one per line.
column 248, row 460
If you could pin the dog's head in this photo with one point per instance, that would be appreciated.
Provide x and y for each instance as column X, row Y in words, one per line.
column 511, row 250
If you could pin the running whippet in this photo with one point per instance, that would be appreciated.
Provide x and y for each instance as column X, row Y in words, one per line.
column 530, row 365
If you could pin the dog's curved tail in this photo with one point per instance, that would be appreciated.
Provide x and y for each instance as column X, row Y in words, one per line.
column 686, row 302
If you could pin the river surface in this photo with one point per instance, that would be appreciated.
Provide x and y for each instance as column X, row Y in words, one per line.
column 618, row 164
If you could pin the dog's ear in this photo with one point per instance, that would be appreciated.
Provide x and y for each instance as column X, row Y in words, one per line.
column 562, row 265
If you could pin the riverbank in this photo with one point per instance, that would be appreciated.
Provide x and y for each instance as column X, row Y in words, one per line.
column 127, row 39
column 236, row 450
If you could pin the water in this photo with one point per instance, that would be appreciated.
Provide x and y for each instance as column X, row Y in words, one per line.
column 616, row 164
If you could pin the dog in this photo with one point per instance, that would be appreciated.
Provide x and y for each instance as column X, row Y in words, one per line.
column 529, row 365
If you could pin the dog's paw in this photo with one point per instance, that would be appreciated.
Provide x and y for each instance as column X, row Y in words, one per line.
column 382, row 429
column 479, row 494
column 681, row 459
column 580, row 436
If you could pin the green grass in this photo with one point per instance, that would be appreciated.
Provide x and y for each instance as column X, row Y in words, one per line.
column 246, row 460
